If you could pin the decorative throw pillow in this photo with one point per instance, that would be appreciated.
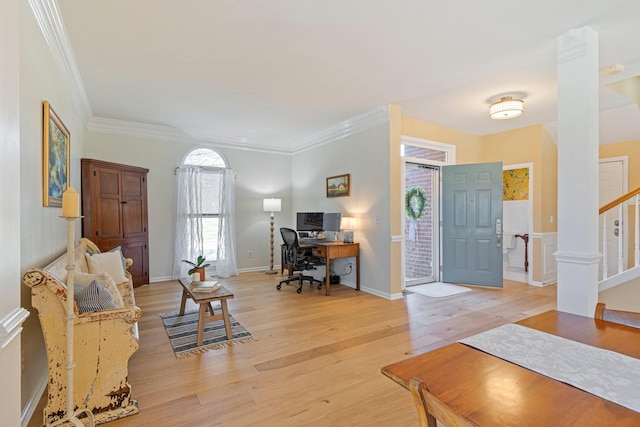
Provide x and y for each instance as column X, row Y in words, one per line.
column 105, row 280
column 108, row 262
column 93, row 297
column 116, row 249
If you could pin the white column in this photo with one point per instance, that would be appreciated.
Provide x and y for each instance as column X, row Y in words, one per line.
column 578, row 114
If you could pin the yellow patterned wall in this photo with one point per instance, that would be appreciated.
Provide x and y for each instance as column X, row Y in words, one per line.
column 515, row 184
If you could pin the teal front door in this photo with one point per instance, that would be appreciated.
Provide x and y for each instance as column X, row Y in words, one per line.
column 472, row 224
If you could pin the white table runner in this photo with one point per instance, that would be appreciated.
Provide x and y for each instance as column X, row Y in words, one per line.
column 603, row 373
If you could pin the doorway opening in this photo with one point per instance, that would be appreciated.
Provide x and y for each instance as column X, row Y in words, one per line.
column 421, row 223
column 421, row 162
column 517, row 219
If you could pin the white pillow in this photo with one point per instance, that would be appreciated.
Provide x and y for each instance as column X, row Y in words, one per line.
column 105, row 280
column 108, row 262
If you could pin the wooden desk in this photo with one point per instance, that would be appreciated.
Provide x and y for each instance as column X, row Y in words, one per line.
column 204, row 300
column 327, row 251
column 492, row 392
column 333, row 250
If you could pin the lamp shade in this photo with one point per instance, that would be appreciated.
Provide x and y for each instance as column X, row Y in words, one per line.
column 348, row 223
column 506, row 108
column 271, row 205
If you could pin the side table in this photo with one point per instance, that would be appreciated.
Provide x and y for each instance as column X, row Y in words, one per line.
column 204, row 300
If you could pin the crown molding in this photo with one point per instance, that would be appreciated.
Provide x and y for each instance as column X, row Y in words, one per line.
column 359, row 123
column 48, row 17
column 351, row 126
column 172, row 134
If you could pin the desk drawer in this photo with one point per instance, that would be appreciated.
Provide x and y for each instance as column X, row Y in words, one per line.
column 319, row 251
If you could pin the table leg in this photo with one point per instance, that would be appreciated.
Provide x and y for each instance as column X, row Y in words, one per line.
column 327, row 273
column 358, row 271
column 202, row 313
column 184, row 302
column 227, row 321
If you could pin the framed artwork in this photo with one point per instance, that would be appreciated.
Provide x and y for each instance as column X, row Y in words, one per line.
column 339, row 185
column 55, row 159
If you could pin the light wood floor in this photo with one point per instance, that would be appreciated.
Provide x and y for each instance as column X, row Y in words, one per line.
column 317, row 359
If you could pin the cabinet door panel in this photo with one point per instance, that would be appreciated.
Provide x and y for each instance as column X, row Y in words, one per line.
column 110, row 226
column 134, row 206
column 137, row 251
column 109, row 216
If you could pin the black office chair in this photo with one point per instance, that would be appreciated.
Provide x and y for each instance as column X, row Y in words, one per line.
column 296, row 258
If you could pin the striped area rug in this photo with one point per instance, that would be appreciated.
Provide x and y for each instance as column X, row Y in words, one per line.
column 183, row 333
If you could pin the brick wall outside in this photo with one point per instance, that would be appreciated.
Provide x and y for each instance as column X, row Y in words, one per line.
column 419, row 253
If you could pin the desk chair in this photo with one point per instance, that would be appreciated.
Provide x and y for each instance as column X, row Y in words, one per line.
column 431, row 409
column 628, row 318
column 296, row 258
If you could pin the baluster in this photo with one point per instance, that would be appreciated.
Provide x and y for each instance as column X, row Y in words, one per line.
column 637, row 235
column 605, row 266
column 620, row 240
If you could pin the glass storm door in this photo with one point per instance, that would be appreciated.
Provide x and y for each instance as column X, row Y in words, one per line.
column 421, row 248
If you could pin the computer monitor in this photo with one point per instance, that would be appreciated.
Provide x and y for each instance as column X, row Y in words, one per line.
column 331, row 221
column 309, row 221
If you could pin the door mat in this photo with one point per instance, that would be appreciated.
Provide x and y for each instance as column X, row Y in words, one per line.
column 183, row 333
column 437, row 289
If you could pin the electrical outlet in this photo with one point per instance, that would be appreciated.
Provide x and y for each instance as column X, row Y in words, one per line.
column 250, row 254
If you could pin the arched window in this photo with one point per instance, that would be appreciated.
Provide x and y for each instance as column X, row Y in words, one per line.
column 211, row 165
column 204, row 157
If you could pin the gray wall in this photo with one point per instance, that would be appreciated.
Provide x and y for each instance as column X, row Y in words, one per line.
column 364, row 155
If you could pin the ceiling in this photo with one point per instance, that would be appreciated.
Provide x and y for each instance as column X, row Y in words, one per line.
column 274, row 73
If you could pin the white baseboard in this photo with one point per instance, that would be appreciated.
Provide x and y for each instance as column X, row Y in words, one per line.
column 32, row 403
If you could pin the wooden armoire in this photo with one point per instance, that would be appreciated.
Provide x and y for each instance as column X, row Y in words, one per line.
column 114, row 206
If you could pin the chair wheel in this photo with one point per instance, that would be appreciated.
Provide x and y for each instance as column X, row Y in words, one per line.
column 320, row 286
column 299, row 291
column 278, row 287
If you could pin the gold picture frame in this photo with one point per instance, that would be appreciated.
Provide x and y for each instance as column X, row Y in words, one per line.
column 339, row 185
column 55, row 158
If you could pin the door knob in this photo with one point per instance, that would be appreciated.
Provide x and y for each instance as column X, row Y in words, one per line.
column 616, row 231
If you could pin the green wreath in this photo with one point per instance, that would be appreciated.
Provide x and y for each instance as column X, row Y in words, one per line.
column 416, row 202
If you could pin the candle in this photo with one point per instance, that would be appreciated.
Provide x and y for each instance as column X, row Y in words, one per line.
column 70, row 203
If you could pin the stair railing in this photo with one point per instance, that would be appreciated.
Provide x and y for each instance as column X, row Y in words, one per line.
column 604, row 210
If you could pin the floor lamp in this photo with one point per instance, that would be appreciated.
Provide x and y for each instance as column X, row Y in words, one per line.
column 271, row 205
column 71, row 212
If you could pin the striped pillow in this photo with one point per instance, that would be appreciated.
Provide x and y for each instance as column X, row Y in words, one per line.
column 93, row 297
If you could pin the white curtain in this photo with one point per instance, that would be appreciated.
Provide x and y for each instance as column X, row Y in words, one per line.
column 189, row 241
column 226, row 254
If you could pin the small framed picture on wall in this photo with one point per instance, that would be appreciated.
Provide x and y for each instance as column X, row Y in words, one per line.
column 339, row 185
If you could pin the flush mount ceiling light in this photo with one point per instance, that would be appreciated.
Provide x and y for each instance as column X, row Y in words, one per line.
column 506, row 108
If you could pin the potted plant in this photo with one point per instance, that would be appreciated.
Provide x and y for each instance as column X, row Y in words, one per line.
column 197, row 266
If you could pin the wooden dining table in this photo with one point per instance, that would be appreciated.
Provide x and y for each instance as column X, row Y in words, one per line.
column 490, row 391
